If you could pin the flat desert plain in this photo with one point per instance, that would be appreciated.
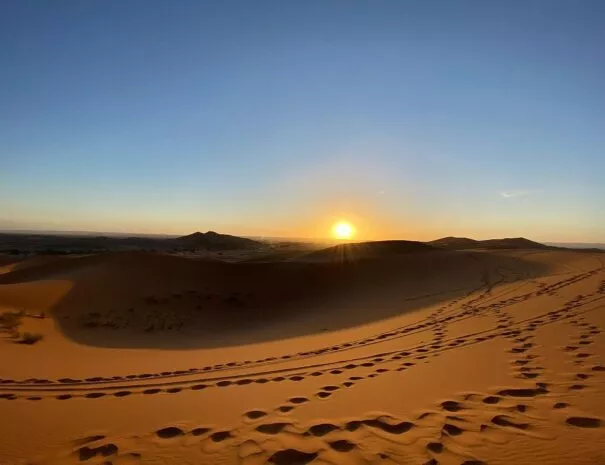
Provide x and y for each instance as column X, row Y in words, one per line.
column 428, row 357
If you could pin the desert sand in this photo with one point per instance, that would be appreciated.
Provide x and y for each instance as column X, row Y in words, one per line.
column 382, row 355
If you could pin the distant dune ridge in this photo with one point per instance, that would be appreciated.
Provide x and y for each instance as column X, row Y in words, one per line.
column 371, row 249
column 506, row 243
column 52, row 243
column 211, row 241
column 454, row 242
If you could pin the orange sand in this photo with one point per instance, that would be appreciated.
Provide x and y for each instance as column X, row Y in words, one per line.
column 427, row 357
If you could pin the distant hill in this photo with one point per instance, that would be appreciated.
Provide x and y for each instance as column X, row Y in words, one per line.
column 457, row 243
column 215, row 241
column 512, row 243
column 52, row 244
column 451, row 242
column 374, row 249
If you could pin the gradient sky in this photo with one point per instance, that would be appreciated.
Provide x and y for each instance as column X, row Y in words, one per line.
column 413, row 119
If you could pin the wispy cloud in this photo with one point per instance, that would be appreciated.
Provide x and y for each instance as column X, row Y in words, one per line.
column 516, row 193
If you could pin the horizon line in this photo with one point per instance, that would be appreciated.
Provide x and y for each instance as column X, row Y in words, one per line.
column 57, row 232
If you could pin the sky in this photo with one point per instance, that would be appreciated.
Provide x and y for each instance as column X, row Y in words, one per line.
column 410, row 119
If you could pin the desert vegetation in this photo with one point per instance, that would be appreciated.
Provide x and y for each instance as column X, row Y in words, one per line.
column 11, row 322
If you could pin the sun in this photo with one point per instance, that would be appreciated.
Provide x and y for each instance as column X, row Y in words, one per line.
column 343, row 230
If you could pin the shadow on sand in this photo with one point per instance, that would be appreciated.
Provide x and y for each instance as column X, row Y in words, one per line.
column 147, row 300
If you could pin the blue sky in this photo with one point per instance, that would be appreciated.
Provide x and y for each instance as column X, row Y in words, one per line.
column 413, row 119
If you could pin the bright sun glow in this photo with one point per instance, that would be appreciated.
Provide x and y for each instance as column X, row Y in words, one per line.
column 343, row 230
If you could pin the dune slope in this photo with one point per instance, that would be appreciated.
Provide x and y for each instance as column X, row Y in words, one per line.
column 491, row 358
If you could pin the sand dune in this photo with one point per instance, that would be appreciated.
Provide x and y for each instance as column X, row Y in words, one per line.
column 460, row 243
column 399, row 354
column 368, row 250
column 138, row 299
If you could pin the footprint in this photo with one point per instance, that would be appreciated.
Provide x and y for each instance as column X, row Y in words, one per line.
column 220, row 436
column 527, row 392
column 285, row 408
column 452, row 430
column 271, row 428
column 517, row 350
column 435, row 447
column 151, row 391
column 330, row 388
column 169, row 432
column 255, row 414
column 584, row 422
column 86, row 453
column 322, row 429
column 451, row 406
column 292, row 457
column 298, row 400
column 200, row 430
column 353, row 425
column 342, row 445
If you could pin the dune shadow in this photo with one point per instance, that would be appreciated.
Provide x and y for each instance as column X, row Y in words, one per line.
column 146, row 300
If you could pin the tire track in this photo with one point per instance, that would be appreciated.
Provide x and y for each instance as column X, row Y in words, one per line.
column 299, row 373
